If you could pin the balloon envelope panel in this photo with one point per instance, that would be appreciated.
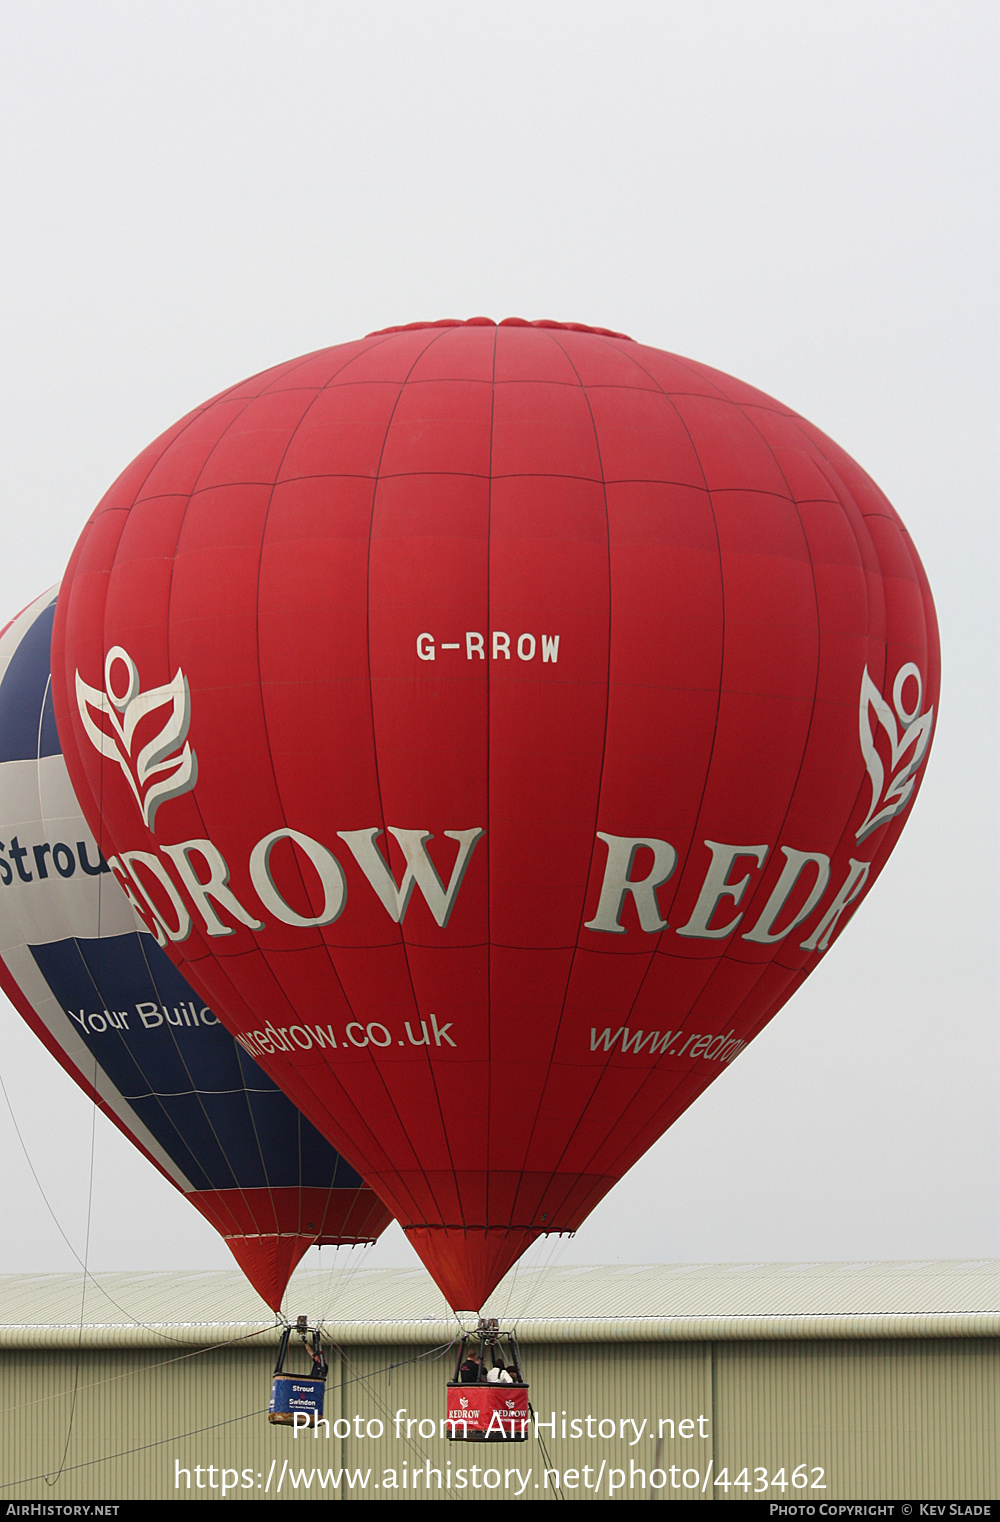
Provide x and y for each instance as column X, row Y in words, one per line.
column 496, row 724
column 94, row 985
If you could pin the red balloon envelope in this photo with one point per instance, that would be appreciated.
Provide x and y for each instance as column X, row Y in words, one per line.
column 496, row 724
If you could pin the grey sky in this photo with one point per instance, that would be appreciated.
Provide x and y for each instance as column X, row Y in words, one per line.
column 802, row 195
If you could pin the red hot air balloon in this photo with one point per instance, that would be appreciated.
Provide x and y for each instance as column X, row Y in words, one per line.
column 497, row 724
column 115, row 1012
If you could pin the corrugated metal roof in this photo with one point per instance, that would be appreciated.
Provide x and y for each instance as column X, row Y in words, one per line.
column 658, row 1300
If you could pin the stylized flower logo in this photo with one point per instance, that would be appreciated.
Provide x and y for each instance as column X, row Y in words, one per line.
column 888, row 798
column 155, row 774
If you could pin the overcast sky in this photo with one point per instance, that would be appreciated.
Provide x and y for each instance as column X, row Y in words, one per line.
column 801, row 195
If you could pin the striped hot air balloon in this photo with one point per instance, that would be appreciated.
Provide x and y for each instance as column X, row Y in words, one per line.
column 92, row 983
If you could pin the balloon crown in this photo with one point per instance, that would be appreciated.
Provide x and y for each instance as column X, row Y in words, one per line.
column 505, row 322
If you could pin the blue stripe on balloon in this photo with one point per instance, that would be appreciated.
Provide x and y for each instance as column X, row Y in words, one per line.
column 213, row 1110
column 24, row 696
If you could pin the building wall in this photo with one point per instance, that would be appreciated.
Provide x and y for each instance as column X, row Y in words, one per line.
column 914, row 1417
